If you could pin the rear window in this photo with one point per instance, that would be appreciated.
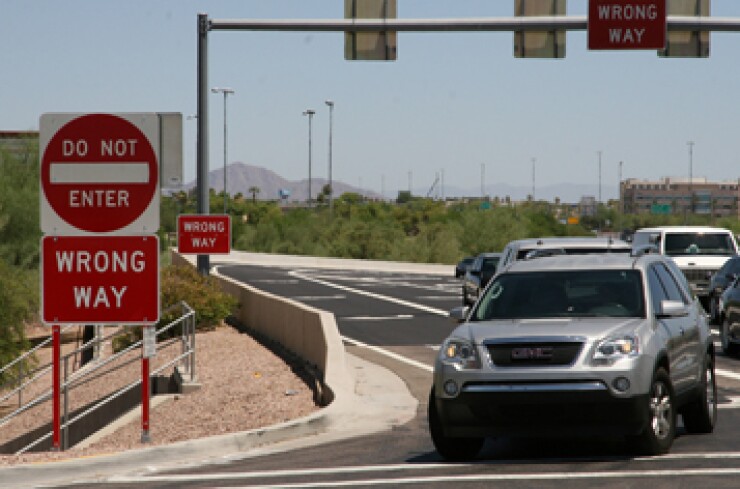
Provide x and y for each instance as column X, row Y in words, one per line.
column 580, row 293
column 540, row 252
column 682, row 244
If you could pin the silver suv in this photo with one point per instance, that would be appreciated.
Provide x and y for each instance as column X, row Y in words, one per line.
column 576, row 345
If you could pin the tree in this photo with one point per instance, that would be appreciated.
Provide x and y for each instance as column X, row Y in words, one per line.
column 254, row 190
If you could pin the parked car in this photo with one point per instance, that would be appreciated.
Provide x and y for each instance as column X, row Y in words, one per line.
column 478, row 275
column 564, row 245
column 697, row 250
column 463, row 265
column 729, row 318
column 718, row 283
column 608, row 344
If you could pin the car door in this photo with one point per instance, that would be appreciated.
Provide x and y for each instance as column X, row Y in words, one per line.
column 685, row 344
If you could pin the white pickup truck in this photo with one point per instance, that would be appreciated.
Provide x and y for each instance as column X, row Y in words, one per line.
column 699, row 251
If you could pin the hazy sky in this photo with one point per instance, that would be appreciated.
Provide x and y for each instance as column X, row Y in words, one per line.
column 451, row 102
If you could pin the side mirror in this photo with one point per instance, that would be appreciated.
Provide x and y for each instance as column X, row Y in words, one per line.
column 672, row 309
column 459, row 314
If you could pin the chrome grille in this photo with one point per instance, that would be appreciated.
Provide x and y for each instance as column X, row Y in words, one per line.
column 534, row 354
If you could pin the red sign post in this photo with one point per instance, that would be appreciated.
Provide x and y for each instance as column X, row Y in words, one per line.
column 99, row 174
column 100, row 279
column 204, row 234
column 626, row 24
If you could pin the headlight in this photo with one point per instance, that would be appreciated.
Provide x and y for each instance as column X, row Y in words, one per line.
column 612, row 349
column 460, row 353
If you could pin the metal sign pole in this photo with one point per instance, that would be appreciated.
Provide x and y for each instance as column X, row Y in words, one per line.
column 56, row 354
column 145, row 393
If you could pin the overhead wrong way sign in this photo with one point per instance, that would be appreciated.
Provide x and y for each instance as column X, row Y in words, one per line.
column 626, row 24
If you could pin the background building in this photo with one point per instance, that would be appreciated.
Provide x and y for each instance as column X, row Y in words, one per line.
column 678, row 196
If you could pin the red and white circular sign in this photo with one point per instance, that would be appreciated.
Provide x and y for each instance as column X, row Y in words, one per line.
column 99, row 173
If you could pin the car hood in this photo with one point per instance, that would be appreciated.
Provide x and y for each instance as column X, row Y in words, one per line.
column 590, row 327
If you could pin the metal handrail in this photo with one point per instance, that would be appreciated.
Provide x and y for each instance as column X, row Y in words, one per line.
column 80, row 377
column 31, row 351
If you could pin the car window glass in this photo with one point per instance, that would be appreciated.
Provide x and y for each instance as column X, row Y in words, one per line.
column 670, row 286
column 551, row 294
column 657, row 292
column 489, row 265
column 695, row 243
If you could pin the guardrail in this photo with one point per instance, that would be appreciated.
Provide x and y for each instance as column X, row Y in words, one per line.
column 185, row 361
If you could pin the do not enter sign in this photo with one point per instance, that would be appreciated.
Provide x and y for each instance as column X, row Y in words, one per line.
column 99, row 174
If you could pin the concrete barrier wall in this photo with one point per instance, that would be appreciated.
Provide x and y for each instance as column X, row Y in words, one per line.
column 310, row 334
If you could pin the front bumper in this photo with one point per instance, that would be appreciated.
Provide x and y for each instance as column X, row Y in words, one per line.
column 541, row 409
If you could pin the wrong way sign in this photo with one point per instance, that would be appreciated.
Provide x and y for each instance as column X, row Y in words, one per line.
column 100, row 279
column 99, row 173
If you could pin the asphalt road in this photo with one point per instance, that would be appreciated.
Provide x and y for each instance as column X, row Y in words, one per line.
column 398, row 320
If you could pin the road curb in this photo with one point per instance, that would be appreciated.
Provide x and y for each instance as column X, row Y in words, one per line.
column 379, row 399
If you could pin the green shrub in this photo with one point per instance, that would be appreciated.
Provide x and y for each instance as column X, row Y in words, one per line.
column 16, row 306
column 201, row 293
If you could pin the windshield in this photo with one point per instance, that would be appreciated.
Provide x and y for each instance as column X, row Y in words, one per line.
column 681, row 244
column 580, row 293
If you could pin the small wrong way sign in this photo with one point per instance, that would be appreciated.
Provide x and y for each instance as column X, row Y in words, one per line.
column 100, row 279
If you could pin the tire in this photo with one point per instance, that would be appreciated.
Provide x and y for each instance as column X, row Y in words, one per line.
column 465, row 300
column 728, row 346
column 451, row 449
column 658, row 435
column 701, row 415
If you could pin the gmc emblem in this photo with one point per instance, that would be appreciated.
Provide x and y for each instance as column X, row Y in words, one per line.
column 536, row 353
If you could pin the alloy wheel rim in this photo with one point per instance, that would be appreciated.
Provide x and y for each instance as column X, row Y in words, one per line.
column 711, row 394
column 661, row 409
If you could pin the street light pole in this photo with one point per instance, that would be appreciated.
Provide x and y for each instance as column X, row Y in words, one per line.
column 599, row 201
column 330, row 103
column 309, row 113
column 534, row 163
column 691, row 178
column 226, row 91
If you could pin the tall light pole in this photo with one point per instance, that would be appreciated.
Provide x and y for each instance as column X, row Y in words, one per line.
column 226, row 91
column 534, row 165
column 621, row 197
column 691, row 178
column 330, row 103
column 599, row 153
column 482, row 181
column 309, row 113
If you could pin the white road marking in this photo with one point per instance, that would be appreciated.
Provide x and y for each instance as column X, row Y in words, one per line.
column 308, row 298
column 446, row 467
column 377, row 318
column 727, row 374
column 389, row 354
column 386, row 298
column 438, row 297
column 273, row 281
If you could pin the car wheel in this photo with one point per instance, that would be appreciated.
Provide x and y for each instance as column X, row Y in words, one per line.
column 465, row 301
column 701, row 415
column 728, row 346
column 658, row 435
column 452, row 449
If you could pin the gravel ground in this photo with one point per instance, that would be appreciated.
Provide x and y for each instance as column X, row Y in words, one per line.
column 244, row 386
